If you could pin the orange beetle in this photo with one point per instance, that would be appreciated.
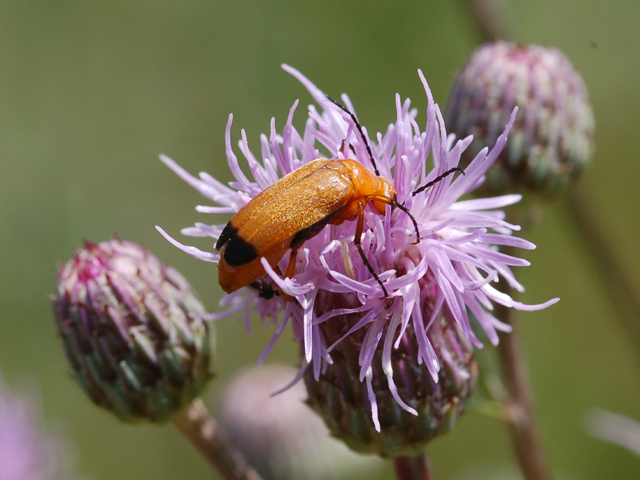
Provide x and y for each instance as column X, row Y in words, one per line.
column 296, row 208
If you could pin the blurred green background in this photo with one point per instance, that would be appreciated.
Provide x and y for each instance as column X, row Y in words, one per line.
column 92, row 92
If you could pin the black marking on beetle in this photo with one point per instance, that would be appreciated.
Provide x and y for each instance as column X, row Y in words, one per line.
column 227, row 232
column 237, row 251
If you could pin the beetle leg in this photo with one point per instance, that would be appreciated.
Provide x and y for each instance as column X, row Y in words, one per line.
column 264, row 289
column 394, row 203
column 358, row 241
column 267, row 290
column 289, row 273
column 291, row 266
column 343, row 148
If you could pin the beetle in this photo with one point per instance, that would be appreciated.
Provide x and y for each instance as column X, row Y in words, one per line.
column 296, row 208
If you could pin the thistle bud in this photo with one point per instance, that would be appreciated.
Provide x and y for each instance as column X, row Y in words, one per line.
column 412, row 406
column 280, row 435
column 551, row 140
column 132, row 331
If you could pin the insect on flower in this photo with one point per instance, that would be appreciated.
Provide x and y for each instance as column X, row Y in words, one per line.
column 382, row 352
column 296, row 208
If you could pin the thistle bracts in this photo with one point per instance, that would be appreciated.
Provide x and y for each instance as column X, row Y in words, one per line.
column 412, row 408
column 132, row 331
column 551, row 140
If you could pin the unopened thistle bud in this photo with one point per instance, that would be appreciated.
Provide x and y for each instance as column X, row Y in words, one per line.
column 132, row 331
column 280, row 435
column 551, row 140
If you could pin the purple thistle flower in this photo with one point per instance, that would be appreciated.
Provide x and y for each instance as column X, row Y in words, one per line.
column 26, row 453
column 451, row 269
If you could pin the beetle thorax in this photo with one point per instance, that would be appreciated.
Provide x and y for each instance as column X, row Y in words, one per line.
column 365, row 185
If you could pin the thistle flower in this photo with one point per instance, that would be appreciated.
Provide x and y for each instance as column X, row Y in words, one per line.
column 551, row 141
column 396, row 355
column 26, row 452
column 132, row 331
column 280, row 435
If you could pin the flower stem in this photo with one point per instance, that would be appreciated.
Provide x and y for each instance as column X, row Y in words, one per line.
column 201, row 429
column 490, row 19
column 412, row 468
column 522, row 423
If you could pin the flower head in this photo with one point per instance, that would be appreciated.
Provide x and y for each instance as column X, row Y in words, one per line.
column 280, row 436
column 26, row 453
column 446, row 277
column 132, row 331
column 551, row 141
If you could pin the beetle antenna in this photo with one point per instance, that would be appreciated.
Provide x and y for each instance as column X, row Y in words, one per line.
column 413, row 220
column 437, row 179
column 359, row 127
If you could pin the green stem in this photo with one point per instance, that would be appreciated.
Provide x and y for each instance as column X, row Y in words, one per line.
column 201, row 429
column 412, row 468
column 522, row 423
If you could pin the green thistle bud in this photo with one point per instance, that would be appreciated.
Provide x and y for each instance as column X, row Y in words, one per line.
column 345, row 403
column 132, row 331
column 551, row 140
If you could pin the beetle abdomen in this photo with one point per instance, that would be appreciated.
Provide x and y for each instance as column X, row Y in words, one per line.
column 288, row 213
column 266, row 222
